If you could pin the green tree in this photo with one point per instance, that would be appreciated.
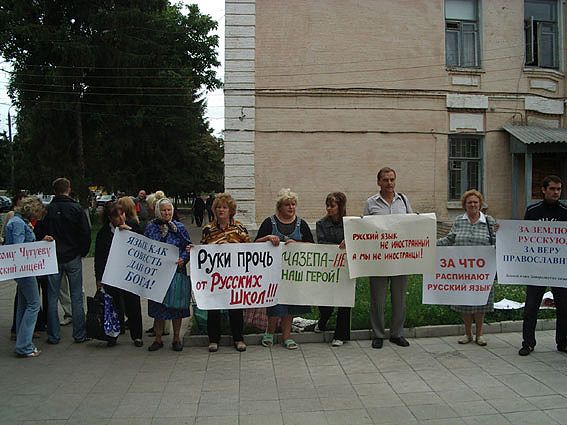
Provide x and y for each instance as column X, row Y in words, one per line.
column 110, row 92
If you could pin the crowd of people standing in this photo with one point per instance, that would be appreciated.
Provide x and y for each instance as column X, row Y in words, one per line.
column 154, row 216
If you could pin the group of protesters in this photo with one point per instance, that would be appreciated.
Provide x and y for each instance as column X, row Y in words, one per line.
column 154, row 216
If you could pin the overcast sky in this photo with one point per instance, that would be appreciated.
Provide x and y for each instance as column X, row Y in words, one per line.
column 215, row 100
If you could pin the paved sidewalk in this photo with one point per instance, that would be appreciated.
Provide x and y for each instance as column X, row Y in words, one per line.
column 434, row 381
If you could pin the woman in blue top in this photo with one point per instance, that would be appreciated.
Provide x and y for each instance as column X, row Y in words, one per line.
column 287, row 227
column 19, row 230
column 164, row 229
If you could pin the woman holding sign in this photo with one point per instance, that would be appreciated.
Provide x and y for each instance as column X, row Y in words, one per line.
column 19, row 230
column 164, row 229
column 225, row 229
column 472, row 229
column 125, row 301
column 330, row 230
column 287, row 227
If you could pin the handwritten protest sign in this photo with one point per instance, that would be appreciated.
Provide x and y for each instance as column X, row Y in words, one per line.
column 230, row 276
column 532, row 252
column 315, row 275
column 140, row 265
column 27, row 259
column 390, row 245
column 464, row 276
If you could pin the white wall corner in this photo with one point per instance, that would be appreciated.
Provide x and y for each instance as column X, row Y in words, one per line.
column 466, row 101
column 240, row 103
column 544, row 105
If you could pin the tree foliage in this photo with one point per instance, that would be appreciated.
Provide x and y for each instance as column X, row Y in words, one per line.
column 110, row 92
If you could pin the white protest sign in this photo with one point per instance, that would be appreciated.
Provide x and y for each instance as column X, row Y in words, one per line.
column 140, row 265
column 464, row 276
column 229, row 276
column 390, row 245
column 315, row 274
column 532, row 253
column 27, row 259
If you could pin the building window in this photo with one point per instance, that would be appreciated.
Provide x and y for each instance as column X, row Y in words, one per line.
column 462, row 44
column 541, row 33
column 465, row 165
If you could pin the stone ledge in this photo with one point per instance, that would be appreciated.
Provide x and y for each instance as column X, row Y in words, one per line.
column 366, row 334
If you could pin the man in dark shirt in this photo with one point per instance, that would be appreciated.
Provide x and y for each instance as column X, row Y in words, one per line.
column 550, row 209
column 68, row 224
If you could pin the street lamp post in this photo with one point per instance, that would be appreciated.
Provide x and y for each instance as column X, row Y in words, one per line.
column 12, row 180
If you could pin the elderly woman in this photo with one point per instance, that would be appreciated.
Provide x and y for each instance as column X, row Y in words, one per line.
column 330, row 231
column 125, row 301
column 287, row 227
column 164, row 229
column 19, row 230
column 225, row 229
column 472, row 229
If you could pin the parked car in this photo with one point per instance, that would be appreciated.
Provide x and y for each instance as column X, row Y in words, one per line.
column 5, row 203
column 102, row 200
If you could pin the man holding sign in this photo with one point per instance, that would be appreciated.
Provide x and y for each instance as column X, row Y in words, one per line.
column 385, row 202
column 550, row 209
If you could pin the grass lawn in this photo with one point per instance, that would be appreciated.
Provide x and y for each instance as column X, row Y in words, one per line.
column 418, row 314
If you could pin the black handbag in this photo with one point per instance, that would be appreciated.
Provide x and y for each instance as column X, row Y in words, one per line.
column 95, row 317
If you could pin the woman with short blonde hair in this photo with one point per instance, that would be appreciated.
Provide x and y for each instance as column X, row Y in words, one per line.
column 225, row 229
column 284, row 226
column 473, row 228
column 19, row 230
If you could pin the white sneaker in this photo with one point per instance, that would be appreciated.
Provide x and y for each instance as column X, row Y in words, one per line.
column 66, row 321
column 337, row 343
column 316, row 329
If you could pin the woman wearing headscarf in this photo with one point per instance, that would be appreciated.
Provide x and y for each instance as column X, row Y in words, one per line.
column 164, row 229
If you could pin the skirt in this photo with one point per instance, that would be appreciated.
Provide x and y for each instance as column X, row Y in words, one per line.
column 472, row 309
column 161, row 312
column 280, row 310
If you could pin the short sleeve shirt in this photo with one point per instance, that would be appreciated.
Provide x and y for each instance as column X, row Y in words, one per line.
column 376, row 205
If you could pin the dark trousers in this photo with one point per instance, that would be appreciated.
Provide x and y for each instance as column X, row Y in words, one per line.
column 199, row 219
column 214, row 324
column 342, row 331
column 534, row 295
column 129, row 304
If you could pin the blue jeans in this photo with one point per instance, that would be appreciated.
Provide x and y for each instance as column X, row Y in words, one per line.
column 74, row 271
column 26, row 314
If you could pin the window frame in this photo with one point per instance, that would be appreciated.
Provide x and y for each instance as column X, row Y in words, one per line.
column 465, row 161
column 534, row 34
column 459, row 27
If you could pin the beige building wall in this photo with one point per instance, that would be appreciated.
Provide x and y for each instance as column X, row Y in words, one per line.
column 337, row 89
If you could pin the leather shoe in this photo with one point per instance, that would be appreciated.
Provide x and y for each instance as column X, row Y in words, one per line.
column 400, row 340
column 377, row 342
column 525, row 350
column 155, row 346
column 562, row 348
column 177, row 346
